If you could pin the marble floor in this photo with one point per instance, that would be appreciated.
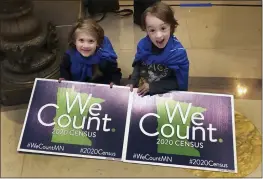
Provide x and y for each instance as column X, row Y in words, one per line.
column 224, row 44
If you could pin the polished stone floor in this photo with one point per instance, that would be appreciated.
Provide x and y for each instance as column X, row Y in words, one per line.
column 224, row 48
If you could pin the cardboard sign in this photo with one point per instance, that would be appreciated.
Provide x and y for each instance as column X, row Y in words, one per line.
column 75, row 119
column 182, row 129
column 177, row 129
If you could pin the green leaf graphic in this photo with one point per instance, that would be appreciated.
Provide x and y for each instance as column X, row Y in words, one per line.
column 177, row 120
column 71, row 138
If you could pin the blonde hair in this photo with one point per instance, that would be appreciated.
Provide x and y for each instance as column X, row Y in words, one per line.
column 86, row 25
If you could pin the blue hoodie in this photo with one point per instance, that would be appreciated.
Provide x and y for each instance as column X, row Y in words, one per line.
column 173, row 56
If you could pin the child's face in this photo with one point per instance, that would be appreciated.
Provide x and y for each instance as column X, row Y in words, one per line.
column 158, row 31
column 85, row 44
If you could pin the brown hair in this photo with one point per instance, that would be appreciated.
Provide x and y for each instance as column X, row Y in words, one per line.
column 161, row 11
column 87, row 25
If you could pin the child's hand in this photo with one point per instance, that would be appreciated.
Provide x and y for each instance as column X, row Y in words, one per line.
column 143, row 89
column 60, row 79
column 111, row 84
column 131, row 87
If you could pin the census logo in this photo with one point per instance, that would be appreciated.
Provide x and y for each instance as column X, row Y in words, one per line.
column 175, row 123
column 75, row 118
